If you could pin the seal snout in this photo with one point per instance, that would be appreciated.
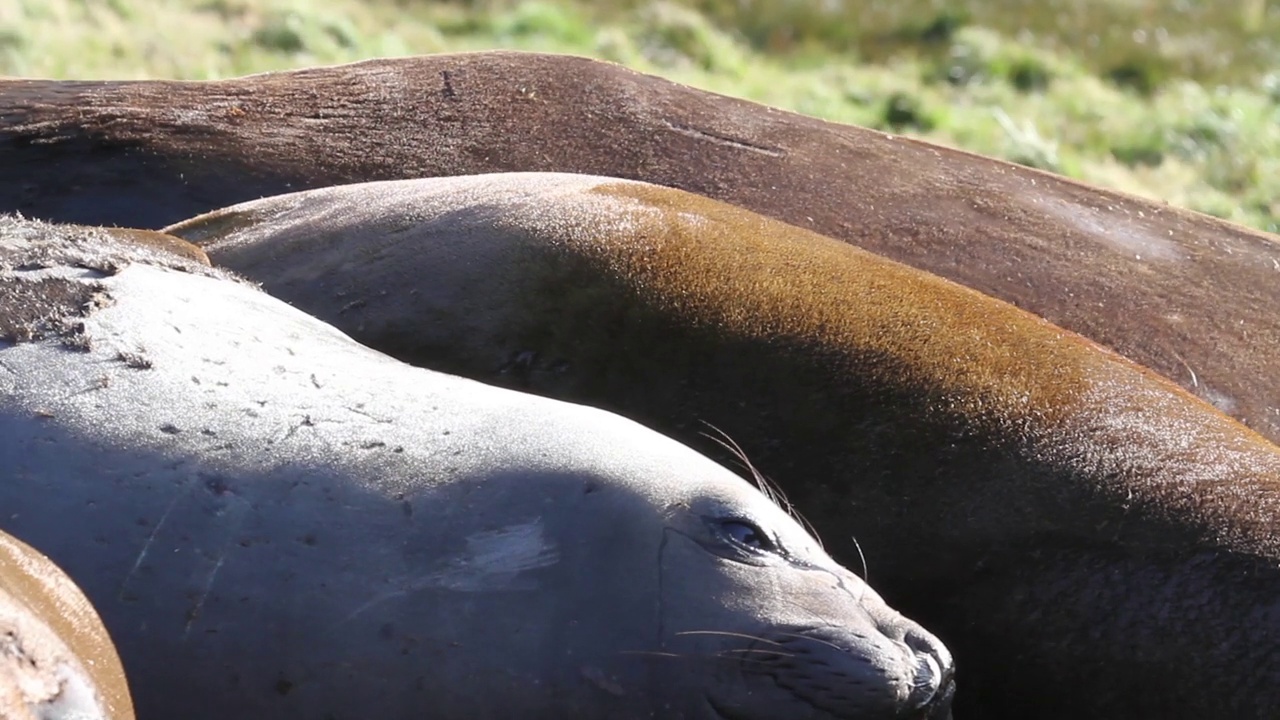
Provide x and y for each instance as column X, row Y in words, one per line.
column 933, row 683
column 891, row 673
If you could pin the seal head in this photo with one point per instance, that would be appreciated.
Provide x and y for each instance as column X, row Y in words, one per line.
column 277, row 522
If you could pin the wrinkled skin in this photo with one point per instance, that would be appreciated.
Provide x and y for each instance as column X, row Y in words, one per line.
column 1187, row 295
column 1091, row 540
column 277, row 523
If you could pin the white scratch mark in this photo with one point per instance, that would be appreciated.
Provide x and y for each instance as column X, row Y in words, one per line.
column 491, row 562
column 493, row 559
column 241, row 506
column 1195, row 382
column 146, row 547
column 208, row 586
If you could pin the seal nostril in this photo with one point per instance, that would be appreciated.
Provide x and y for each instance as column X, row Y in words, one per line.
column 926, row 681
column 927, row 645
column 924, row 644
column 933, row 681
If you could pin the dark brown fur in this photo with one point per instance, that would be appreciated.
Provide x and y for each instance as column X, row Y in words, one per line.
column 1192, row 297
column 1091, row 540
column 35, row 308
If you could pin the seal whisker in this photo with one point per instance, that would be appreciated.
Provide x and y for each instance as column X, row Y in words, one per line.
column 804, row 522
column 770, row 488
column 757, row 651
column 729, row 444
column 812, row 638
column 738, row 655
column 866, row 572
column 728, row 633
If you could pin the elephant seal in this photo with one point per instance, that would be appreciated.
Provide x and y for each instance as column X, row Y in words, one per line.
column 1189, row 296
column 1088, row 538
column 58, row 662
column 277, row 522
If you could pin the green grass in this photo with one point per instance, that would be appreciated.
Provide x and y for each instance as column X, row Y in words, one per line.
column 1176, row 100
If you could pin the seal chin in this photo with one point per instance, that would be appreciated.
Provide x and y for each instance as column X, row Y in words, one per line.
column 940, row 707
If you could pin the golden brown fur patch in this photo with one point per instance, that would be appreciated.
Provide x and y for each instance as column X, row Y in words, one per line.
column 1073, row 524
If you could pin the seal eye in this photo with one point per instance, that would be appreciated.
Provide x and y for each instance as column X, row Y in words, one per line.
column 749, row 534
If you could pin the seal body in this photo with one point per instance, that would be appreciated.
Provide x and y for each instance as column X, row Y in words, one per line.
column 1091, row 540
column 58, row 662
column 1189, row 296
column 276, row 522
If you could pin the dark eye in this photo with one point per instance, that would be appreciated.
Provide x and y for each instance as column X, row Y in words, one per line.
column 747, row 533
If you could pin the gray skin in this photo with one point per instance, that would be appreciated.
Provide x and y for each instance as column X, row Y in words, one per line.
column 56, row 659
column 277, row 522
column 1090, row 540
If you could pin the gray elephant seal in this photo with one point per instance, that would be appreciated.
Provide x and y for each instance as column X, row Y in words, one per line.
column 1187, row 295
column 1089, row 539
column 276, row 522
column 56, row 659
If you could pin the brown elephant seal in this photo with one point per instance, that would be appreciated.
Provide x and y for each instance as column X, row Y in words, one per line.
column 1190, row 296
column 278, row 523
column 1088, row 538
column 56, row 659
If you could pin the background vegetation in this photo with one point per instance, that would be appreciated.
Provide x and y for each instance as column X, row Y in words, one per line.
column 1172, row 99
